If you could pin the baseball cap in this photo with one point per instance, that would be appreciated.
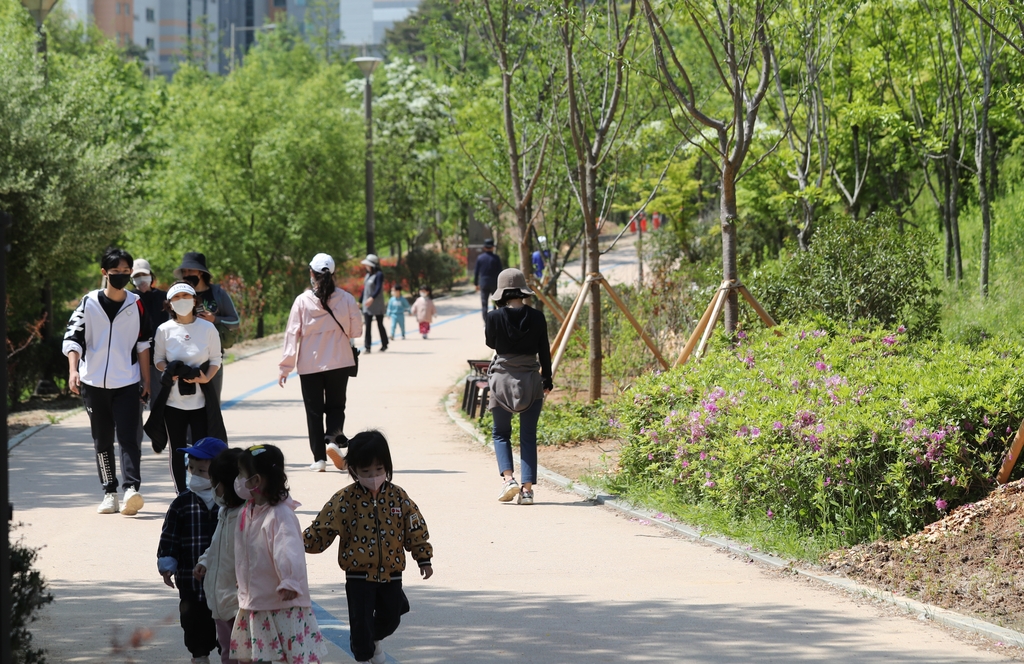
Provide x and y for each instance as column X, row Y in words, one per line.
column 141, row 266
column 205, row 448
column 322, row 262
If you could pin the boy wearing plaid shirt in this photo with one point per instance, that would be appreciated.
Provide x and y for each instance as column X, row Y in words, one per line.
column 187, row 532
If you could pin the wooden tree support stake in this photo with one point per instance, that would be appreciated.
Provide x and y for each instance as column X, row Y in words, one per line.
column 636, row 325
column 1011, row 458
column 566, row 330
column 705, row 326
column 549, row 302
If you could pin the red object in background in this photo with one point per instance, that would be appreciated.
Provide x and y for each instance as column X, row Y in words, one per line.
column 632, row 226
column 657, row 220
column 643, row 224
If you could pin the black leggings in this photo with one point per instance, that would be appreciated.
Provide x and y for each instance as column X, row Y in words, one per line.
column 323, row 393
column 113, row 411
column 178, row 422
column 368, row 337
column 374, row 613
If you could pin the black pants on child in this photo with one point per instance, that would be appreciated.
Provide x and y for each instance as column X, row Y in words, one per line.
column 196, row 620
column 374, row 612
column 324, row 393
column 178, row 423
column 368, row 337
column 113, row 411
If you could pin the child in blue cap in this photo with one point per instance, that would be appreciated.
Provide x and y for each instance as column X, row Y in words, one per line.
column 188, row 529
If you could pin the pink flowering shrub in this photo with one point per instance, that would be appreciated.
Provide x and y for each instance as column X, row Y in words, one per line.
column 850, row 434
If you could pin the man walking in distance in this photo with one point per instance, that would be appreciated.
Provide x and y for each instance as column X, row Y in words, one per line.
column 107, row 346
column 153, row 300
column 485, row 278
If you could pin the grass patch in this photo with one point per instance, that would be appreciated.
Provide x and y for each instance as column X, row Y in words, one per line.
column 563, row 423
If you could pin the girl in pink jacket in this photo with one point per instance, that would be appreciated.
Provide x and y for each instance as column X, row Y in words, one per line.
column 424, row 310
column 275, row 621
column 318, row 343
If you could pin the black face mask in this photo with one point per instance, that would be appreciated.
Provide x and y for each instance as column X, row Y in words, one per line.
column 118, row 281
column 192, row 279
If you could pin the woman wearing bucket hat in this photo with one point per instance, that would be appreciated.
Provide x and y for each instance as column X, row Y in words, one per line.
column 318, row 341
column 215, row 304
column 519, row 377
column 373, row 302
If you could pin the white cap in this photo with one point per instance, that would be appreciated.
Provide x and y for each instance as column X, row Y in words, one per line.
column 180, row 288
column 322, row 262
column 141, row 266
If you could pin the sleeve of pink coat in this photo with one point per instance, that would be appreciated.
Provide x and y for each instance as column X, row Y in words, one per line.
column 292, row 338
column 355, row 318
column 431, row 310
column 286, row 545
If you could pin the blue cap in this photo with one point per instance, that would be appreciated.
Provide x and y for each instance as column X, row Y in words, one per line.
column 205, row 448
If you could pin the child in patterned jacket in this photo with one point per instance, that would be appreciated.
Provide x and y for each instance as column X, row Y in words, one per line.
column 372, row 515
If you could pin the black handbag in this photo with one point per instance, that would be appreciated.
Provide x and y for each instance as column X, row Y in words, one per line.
column 353, row 370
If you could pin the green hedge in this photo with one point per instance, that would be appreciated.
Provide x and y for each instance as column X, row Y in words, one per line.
column 843, row 435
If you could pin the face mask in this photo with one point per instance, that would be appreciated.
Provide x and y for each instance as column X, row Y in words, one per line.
column 118, row 281
column 142, row 282
column 373, row 483
column 198, row 484
column 192, row 279
column 220, row 500
column 183, row 307
column 241, row 490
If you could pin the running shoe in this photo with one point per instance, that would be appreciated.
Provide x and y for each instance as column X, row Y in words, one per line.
column 509, row 491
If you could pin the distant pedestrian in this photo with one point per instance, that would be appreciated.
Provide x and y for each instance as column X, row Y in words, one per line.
column 216, row 567
column 398, row 307
column 377, row 522
column 107, row 344
column 485, row 277
column 156, row 315
column 538, row 263
column 275, row 621
column 519, row 378
column 187, row 350
column 373, row 302
column 318, row 339
column 215, row 304
column 424, row 310
column 189, row 526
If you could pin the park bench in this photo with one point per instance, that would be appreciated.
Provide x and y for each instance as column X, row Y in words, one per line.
column 476, row 389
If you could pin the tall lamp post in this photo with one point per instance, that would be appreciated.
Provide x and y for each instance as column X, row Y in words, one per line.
column 367, row 65
column 39, row 9
column 6, row 601
column 253, row 28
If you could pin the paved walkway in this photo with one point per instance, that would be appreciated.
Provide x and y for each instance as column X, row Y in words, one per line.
column 560, row 582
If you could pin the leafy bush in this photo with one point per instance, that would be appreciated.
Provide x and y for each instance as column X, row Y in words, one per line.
column 856, row 269
column 28, row 595
column 562, row 423
column 846, row 435
column 428, row 267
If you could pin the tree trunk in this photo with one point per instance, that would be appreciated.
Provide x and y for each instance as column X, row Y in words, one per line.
column 981, row 161
column 593, row 263
column 953, row 197
column 259, row 326
column 730, row 270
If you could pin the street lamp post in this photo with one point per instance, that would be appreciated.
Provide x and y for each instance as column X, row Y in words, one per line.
column 234, row 29
column 367, row 65
column 39, row 9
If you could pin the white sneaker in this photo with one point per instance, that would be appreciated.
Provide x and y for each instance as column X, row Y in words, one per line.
column 509, row 491
column 378, row 654
column 318, row 466
column 336, row 457
column 109, row 504
column 200, row 660
column 133, row 502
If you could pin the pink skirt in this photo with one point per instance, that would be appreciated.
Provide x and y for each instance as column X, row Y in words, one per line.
column 283, row 635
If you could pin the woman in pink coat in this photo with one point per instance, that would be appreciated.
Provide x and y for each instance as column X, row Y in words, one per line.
column 318, row 343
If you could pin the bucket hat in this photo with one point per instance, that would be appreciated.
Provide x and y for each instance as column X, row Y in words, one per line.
column 193, row 260
column 141, row 266
column 371, row 260
column 510, row 281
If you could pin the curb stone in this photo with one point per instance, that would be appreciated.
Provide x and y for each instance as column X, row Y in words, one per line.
column 1000, row 635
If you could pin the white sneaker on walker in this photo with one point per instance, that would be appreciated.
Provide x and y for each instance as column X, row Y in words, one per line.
column 318, row 466
column 509, row 491
column 335, row 455
column 133, row 501
column 109, row 504
column 378, row 654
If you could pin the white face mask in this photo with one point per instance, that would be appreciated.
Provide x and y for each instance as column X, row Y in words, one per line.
column 183, row 307
column 142, row 282
column 373, row 483
column 198, row 484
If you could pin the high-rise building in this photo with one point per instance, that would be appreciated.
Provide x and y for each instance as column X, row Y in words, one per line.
column 364, row 22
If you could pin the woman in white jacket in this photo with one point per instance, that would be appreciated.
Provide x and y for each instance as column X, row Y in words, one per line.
column 216, row 567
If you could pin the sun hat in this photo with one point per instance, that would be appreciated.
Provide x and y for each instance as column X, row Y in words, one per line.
column 205, row 448
column 180, row 288
column 510, row 281
column 322, row 262
column 371, row 260
column 141, row 266
column 193, row 260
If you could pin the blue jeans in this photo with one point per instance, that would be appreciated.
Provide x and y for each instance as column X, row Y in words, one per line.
column 400, row 322
column 502, row 434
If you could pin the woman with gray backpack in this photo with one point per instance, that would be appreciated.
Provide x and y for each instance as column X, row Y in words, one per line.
column 318, row 345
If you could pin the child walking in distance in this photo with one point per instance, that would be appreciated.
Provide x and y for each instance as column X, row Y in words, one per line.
column 216, row 567
column 424, row 310
column 398, row 307
column 377, row 523
column 275, row 621
column 188, row 530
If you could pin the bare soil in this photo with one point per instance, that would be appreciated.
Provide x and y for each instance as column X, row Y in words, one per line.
column 41, row 410
column 588, row 461
column 971, row 561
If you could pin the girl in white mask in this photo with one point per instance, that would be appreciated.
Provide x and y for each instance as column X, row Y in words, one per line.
column 188, row 349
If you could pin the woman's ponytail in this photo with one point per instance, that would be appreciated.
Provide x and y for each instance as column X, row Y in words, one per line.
column 324, row 286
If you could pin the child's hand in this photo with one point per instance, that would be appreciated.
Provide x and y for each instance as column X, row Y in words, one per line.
column 168, row 578
column 199, row 572
column 426, row 572
column 287, row 595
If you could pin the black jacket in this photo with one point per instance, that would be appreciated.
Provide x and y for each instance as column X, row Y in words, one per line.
column 488, row 266
column 522, row 331
column 214, row 420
